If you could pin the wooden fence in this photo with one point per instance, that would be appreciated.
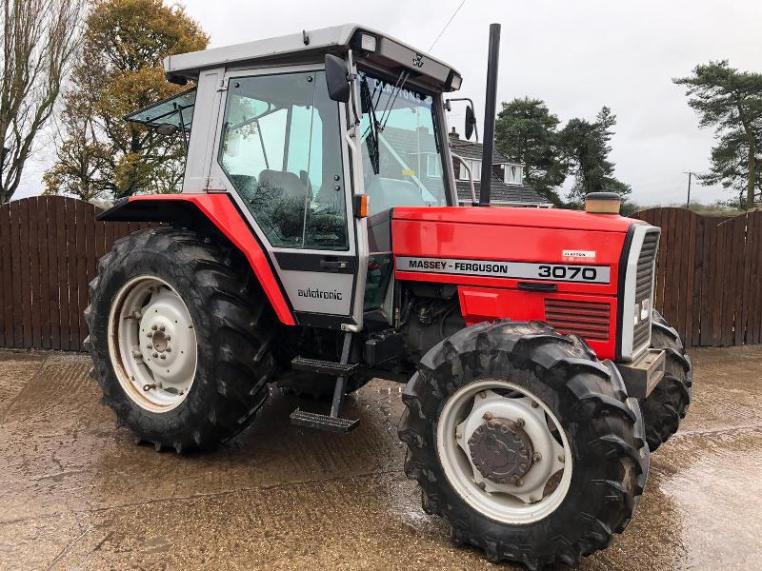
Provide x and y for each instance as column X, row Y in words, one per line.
column 49, row 247
column 709, row 275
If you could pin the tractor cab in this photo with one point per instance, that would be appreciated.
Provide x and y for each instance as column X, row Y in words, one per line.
column 316, row 137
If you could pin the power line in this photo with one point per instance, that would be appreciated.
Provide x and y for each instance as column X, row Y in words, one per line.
column 455, row 13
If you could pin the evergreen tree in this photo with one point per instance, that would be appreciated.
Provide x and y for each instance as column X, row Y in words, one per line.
column 730, row 101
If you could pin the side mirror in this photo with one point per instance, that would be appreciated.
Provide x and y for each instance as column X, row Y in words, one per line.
column 336, row 73
column 470, row 122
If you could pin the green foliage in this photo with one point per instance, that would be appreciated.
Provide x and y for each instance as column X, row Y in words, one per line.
column 527, row 132
column 730, row 101
column 586, row 145
column 120, row 71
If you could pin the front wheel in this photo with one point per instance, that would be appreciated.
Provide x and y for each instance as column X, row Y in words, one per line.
column 526, row 444
column 668, row 403
column 180, row 340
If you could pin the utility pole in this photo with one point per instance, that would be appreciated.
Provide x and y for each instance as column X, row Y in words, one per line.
column 690, row 176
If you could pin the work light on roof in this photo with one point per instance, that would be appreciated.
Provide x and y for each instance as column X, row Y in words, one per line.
column 368, row 42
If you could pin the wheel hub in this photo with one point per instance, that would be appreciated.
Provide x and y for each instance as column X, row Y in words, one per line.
column 153, row 342
column 501, row 450
column 504, row 450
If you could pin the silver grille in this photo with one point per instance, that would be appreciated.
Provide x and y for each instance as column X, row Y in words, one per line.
column 644, row 281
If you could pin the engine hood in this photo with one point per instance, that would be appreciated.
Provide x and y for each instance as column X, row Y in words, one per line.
column 527, row 217
column 440, row 242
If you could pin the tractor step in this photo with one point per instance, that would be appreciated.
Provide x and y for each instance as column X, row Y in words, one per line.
column 322, row 422
column 323, row 367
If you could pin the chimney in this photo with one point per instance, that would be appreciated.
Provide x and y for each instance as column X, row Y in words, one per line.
column 454, row 136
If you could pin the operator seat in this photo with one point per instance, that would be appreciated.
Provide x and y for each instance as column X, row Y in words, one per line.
column 280, row 201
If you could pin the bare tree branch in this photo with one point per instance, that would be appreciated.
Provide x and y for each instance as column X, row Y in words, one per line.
column 39, row 38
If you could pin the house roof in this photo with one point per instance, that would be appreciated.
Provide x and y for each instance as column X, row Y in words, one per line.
column 501, row 193
column 473, row 151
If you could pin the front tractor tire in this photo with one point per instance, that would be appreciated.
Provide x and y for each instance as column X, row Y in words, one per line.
column 180, row 340
column 668, row 403
column 527, row 445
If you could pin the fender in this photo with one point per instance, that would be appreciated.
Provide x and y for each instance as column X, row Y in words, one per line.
column 220, row 211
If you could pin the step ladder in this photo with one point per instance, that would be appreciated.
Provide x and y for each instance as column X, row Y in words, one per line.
column 331, row 422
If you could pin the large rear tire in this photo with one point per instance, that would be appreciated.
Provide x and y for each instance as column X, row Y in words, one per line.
column 179, row 338
column 495, row 501
column 668, row 403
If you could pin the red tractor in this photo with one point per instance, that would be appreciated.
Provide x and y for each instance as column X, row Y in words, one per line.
column 318, row 243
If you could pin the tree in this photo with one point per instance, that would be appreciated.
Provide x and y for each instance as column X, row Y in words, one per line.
column 527, row 132
column 587, row 148
column 100, row 155
column 730, row 101
column 39, row 38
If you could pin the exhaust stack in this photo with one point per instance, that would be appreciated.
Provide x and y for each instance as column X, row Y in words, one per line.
column 489, row 115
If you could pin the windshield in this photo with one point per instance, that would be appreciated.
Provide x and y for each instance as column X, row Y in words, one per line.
column 402, row 163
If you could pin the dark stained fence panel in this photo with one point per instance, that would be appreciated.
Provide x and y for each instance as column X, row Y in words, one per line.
column 49, row 249
column 707, row 280
column 708, row 275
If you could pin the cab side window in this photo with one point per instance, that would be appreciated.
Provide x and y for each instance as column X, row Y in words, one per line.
column 281, row 150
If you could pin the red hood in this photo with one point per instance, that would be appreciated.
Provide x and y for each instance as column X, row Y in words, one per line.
column 528, row 217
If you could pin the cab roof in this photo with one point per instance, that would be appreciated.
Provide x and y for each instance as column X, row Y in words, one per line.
column 312, row 45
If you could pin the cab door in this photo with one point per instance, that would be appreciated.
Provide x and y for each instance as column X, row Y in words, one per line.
column 283, row 159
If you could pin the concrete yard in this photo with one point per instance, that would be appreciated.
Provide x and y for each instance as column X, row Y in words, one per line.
column 77, row 493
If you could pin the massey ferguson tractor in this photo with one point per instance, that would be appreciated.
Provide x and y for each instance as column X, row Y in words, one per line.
column 318, row 243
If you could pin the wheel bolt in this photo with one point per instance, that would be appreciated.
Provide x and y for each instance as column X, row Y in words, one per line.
column 168, row 349
column 155, row 355
column 561, row 458
column 168, row 338
column 162, row 328
column 518, row 482
column 487, row 416
column 520, row 422
column 149, row 334
column 154, row 327
column 163, row 356
column 482, row 485
column 535, row 404
column 536, row 457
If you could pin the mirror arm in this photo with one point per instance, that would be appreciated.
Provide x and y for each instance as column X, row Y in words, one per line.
column 462, row 161
column 351, row 77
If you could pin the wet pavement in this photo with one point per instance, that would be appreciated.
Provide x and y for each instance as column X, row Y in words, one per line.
column 77, row 493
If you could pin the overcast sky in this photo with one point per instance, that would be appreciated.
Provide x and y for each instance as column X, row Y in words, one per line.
column 577, row 56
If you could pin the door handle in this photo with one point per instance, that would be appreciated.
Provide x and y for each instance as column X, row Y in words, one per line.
column 333, row 265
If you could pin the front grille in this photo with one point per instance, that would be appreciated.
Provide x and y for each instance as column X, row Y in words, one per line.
column 644, row 279
column 588, row 319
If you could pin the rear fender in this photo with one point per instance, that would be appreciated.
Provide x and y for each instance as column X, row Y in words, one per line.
column 220, row 211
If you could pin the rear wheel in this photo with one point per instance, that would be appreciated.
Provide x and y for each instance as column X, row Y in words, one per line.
column 526, row 444
column 180, row 342
column 668, row 403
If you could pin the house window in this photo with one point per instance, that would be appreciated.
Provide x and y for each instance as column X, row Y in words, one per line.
column 433, row 166
column 512, row 174
column 476, row 170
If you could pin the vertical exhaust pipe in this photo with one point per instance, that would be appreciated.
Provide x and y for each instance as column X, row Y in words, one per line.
column 489, row 115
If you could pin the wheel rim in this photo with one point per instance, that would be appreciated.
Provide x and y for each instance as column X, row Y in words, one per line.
column 504, row 451
column 152, row 343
